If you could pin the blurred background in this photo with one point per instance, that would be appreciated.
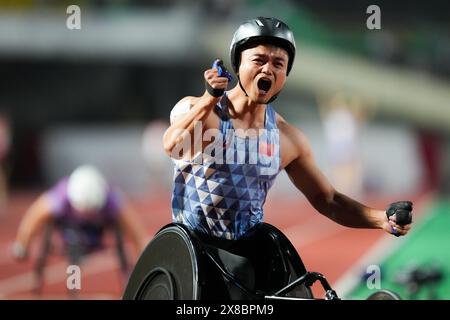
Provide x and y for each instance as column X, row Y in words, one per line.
column 375, row 105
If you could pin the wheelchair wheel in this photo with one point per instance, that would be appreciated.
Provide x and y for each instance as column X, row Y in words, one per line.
column 179, row 265
column 384, row 295
column 167, row 269
column 279, row 262
column 157, row 286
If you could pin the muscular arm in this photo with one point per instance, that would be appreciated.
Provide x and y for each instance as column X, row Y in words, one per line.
column 191, row 111
column 36, row 216
column 305, row 175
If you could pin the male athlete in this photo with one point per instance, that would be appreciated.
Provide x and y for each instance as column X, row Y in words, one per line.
column 229, row 146
column 81, row 207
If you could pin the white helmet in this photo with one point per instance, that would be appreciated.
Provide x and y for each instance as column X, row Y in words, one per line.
column 87, row 189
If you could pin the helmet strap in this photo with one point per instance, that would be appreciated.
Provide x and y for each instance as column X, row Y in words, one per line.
column 273, row 97
column 240, row 85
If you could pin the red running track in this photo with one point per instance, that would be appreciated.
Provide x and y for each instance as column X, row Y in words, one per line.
column 323, row 245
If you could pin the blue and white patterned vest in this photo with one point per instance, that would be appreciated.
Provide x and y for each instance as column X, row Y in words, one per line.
column 224, row 196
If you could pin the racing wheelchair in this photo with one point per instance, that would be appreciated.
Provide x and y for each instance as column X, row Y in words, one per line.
column 179, row 264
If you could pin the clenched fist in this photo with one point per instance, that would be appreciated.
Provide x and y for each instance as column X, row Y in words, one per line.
column 216, row 79
column 399, row 216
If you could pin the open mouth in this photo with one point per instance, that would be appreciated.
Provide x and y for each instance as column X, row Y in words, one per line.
column 264, row 84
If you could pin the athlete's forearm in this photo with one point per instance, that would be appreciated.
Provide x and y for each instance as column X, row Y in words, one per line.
column 182, row 130
column 33, row 221
column 351, row 213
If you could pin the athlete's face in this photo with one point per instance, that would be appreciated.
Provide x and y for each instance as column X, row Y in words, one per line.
column 263, row 71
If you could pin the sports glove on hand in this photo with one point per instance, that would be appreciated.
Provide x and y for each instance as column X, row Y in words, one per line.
column 402, row 212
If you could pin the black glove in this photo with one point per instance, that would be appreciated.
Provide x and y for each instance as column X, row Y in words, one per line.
column 402, row 211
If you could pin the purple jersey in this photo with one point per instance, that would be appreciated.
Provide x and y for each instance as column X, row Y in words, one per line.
column 89, row 227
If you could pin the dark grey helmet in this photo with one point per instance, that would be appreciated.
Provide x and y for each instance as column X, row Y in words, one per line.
column 262, row 30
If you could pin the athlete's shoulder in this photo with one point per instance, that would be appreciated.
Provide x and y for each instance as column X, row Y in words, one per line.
column 56, row 198
column 182, row 107
column 285, row 127
column 293, row 136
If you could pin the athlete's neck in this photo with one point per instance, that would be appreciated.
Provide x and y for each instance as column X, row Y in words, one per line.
column 240, row 106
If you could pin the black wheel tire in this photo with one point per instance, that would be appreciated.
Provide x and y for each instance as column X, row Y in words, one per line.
column 384, row 295
column 166, row 270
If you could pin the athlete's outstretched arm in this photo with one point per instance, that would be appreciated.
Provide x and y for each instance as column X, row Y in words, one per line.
column 34, row 219
column 340, row 208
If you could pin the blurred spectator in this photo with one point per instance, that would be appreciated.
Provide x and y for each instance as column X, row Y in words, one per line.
column 81, row 207
column 431, row 147
column 342, row 119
